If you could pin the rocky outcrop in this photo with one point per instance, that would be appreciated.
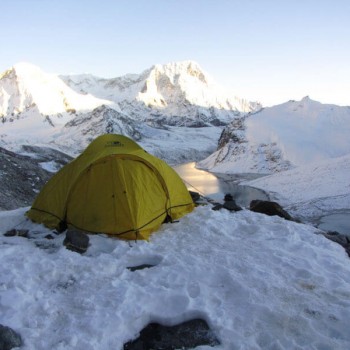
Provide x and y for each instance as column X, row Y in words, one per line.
column 9, row 339
column 269, row 208
column 186, row 335
column 343, row 240
column 23, row 176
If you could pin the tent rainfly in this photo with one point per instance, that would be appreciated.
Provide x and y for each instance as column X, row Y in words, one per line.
column 113, row 187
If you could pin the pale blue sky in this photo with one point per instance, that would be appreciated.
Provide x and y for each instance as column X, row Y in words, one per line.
column 266, row 50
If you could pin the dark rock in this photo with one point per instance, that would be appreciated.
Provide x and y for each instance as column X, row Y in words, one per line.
column 187, row 335
column 217, row 206
column 139, row 267
column 348, row 251
column 228, row 197
column 15, row 232
column 269, row 208
column 9, row 339
column 49, row 236
column 11, row 233
column 232, row 206
column 195, row 196
column 77, row 241
column 22, row 177
column 337, row 237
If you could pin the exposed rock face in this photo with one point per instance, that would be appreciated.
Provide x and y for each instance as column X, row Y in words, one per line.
column 9, row 339
column 70, row 111
column 174, row 90
column 282, row 137
column 269, row 208
column 236, row 153
column 102, row 120
column 343, row 240
column 22, row 177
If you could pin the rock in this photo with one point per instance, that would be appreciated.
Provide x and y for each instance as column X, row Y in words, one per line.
column 195, row 196
column 217, row 206
column 10, row 233
column 337, row 237
column 228, row 197
column 187, row 335
column 269, row 208
column 76, row 240
column 9, row 339
column 15, row 232
column 232, row 206
column 23, row 176
column 140, row 267
column 229, row 205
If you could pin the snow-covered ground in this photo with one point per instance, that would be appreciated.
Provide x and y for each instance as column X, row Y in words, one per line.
column 260, row 282
column 313, row 190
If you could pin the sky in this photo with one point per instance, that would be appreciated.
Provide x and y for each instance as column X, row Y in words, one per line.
column 263, row 50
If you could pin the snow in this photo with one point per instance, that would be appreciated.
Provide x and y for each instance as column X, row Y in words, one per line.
column 260, row 282
column 307, row 130
column 278, row 138
column 49, row 92
column 313, row 190
column 166, row 87
column 50, row 166
column 66, row 112
column 178, row 144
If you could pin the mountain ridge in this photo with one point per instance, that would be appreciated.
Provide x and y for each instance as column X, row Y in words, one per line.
column 282, row 137
column 46, row 109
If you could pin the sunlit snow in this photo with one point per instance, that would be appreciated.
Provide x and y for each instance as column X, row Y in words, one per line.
column 260, row 282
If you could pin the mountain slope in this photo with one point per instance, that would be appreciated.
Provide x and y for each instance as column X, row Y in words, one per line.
column 25, row 87
column 67, row 112
column 23, row 175
column 171, row 91
column 281, row 137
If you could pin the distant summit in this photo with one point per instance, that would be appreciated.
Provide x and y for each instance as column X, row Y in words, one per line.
column 172, row 89
column 282, row 137
column 25, row 88
column 69, row 111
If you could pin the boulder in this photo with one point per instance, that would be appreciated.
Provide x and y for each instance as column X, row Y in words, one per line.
column 187, row 335
column 9, row 339
column 269, row 208
column 231, row 205
column 195, row 196
column 76, row 241
column 337, row 237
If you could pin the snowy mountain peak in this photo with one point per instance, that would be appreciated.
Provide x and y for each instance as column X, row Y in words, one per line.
column 27, row 70
column 177, row 89
column 292, row 134
column 174, row 82
column 25, row 87
column 176, row 94
column 183, row 68
column 172, row 85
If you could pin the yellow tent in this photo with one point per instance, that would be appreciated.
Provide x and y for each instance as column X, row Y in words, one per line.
column 113, row 187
